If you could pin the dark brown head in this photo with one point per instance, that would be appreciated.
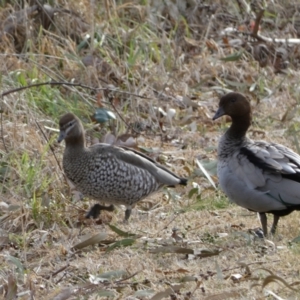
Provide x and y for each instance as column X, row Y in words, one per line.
column 71, row 129
column 234, row 105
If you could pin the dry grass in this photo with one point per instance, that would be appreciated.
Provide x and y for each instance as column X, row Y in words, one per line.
column 175, row 246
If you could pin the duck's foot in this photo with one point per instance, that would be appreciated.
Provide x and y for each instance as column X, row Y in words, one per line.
column 95, row 210
column 258, row 233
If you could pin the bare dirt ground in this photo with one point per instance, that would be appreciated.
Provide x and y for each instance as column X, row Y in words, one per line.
column 150, row 78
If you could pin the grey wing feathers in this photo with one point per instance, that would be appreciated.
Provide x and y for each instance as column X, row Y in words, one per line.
column 276, row 157
column 270, row 169
column 258, row 161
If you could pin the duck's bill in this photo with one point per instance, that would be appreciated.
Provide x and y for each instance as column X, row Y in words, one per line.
column 62, row 136
column 220, row 112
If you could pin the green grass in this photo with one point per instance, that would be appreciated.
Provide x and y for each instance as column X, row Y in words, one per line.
column 207, row 203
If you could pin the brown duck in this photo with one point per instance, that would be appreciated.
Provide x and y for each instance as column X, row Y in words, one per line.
column 110, row 174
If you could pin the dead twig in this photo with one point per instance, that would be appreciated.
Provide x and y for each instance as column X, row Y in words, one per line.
column 51, row 148
column 69, row 84
column 120, row 116
column 57, row 272
column 166, row 225
column 264, row 39
column 211, row 274
column 128, row 277
column 257, row 23
column 2, row 133
column 60, row 270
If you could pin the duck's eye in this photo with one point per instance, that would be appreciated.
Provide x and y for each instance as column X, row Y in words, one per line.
column 70, row 124
column 232, row 100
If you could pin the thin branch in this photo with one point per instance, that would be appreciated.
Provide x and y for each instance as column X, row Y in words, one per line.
column 264, row 39
column 74, row 85
column 166, row 225
column 2, row 133
column 128, row 277
column 211, row 274
column 51, row 148
column 257, row 23
column 69, row 84
column 57, row 272
column 115, row 109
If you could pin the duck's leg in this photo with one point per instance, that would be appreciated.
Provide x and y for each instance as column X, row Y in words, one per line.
column 274, row 225
column 263, row 220
column 127, row 214
column 95, row 210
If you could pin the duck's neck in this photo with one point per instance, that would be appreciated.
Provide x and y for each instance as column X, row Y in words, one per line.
column 239, row 127
column 75, row 142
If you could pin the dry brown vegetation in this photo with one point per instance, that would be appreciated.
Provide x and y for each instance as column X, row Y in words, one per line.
column 159, row 67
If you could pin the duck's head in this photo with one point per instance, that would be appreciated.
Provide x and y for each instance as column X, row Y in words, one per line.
column 234, row 105
column 70, row 128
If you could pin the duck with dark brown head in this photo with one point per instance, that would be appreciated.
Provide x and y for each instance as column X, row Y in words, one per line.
column 257, row 175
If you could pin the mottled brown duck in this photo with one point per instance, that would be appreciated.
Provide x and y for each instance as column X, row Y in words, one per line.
column 110, row 174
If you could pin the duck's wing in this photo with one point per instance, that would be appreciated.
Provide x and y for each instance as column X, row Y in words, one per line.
column 139, row 160
column 273, row 158
column 271, row 168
